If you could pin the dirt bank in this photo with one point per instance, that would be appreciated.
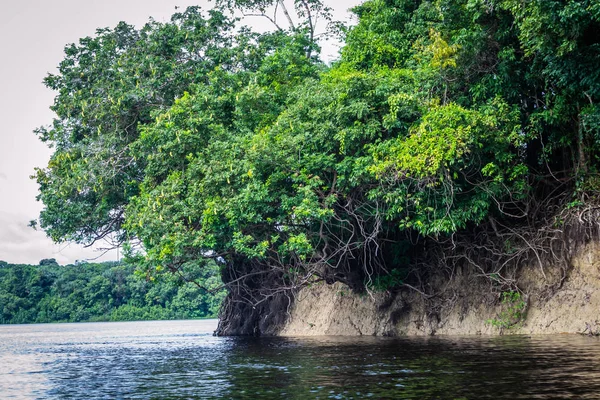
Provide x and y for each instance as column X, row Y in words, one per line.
column 549, row 299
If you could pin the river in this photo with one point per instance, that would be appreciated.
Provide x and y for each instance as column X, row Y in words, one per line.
column 182, row 360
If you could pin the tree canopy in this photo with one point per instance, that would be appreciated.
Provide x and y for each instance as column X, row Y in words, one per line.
column 108, row 291
column 442, row 118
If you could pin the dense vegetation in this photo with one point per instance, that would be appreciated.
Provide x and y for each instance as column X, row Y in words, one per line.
column 449, row 132
column 100, row 292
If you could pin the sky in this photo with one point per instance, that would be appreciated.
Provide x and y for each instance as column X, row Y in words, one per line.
column 33, row 34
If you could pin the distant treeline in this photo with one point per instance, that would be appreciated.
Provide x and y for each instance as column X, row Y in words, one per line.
column 101, row 292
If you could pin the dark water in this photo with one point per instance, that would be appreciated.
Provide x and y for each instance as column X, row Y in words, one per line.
column 181, row 360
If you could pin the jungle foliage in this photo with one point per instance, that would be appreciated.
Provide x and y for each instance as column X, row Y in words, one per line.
column 448, row 131
column 101, row 292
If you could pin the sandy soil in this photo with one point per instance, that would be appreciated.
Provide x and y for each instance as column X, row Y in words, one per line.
column 464, row 305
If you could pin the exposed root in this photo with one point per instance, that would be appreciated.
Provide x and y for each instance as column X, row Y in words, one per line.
column 358, row 249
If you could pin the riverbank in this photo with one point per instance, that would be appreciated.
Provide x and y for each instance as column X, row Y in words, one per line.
column 548, row 300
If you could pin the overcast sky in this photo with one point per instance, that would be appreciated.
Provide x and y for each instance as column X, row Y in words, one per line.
column 33, row 34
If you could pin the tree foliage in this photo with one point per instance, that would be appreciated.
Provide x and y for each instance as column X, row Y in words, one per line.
column 440, row 118
column 102, row 292
column 110, row 84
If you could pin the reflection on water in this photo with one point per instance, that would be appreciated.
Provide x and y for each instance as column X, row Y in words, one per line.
column 181, row 359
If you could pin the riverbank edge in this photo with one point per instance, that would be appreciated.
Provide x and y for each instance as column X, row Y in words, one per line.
column 549, row 299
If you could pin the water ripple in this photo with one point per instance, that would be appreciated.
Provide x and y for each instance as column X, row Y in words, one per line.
column 181, row 359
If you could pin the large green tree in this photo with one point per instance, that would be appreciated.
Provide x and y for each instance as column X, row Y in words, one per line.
column 107, row 86
column 445, row 125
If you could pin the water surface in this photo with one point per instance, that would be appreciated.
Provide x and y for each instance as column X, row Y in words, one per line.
column 182, row 360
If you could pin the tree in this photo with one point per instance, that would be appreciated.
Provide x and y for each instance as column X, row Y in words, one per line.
column 449, row 132
column 107, row 86
column 106, row 291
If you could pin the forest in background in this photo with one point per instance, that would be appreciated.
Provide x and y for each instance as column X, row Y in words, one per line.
column 107, row 291
column 449, row 134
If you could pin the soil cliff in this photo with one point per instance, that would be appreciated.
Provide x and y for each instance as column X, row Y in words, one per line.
column 548, row 299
